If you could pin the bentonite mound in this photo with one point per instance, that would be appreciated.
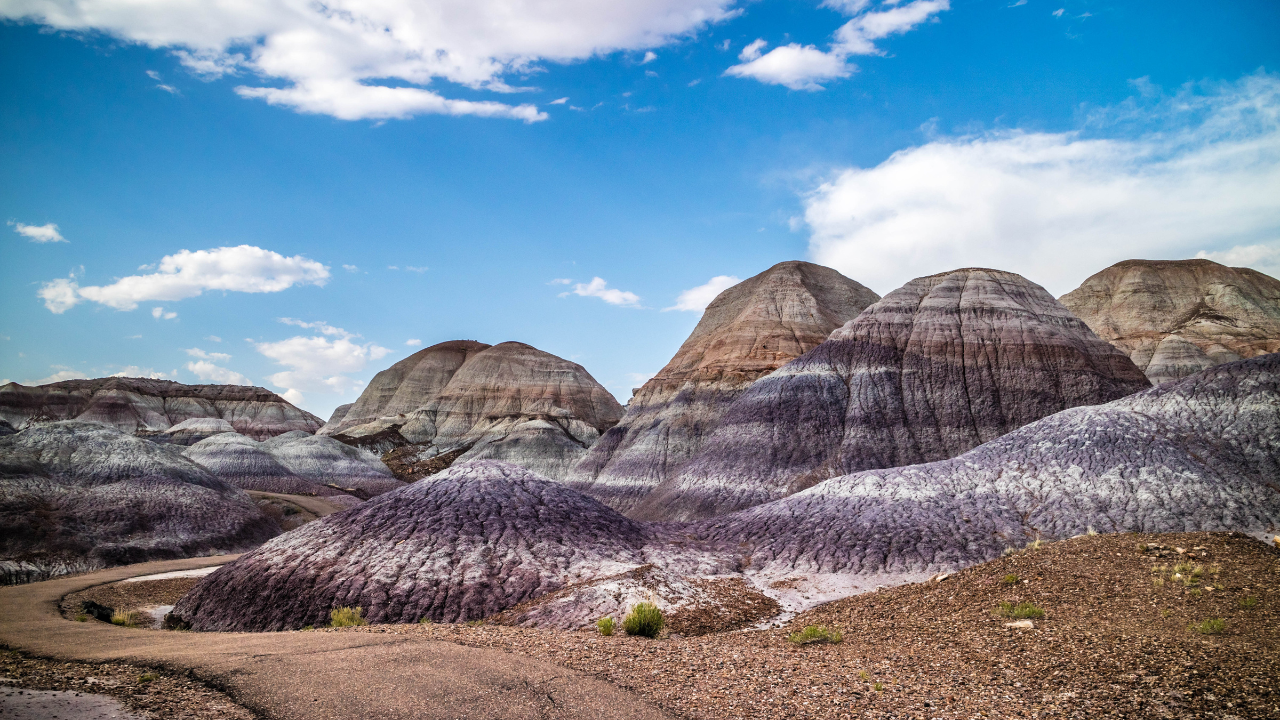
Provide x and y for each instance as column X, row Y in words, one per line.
column 190, row 432
column 78, row 496
column 1202, row 453
column 145, row 406
column 748, row 331
column 939, row 366
column 1177, row 317
column 294, row 463
column 466, row 543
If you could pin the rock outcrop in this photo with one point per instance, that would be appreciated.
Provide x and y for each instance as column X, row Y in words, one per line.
column 1202, row 453
column 748, row 331
column 939, row 366
column 145, row 406
column 335, row 419
column 294, row 463
column 1174, row 318
column 190, row 432
column 508, row 402
column 474, row 540
column 77, row 496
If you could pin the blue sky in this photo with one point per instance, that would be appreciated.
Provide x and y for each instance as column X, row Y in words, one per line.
column 301, row 196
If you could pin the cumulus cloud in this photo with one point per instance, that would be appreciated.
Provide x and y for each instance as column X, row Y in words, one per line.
column 38, row 233
column 1159, row 176
column 134, row 371
column 697, row 299
column 186, row 274
column 805, row 67
column 198, row 353
column 211, row 373
column 413, row 342
column 354, row 60
column 649, row 57
column 63, row 373
column 599, row 288
column 159, row 314
column 320, row 362
column 1262, row 257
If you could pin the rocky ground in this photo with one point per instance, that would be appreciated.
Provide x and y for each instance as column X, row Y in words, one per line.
column 1122, row 636
column 148, row 692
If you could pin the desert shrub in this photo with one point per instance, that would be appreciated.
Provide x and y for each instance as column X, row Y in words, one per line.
column 126, row 618
column 147, row 677
column 1212, row 626
column 1091, row 532
column 644, row 619
column 425, row 621
column 1021, row 611
column 815, row 634
column 82, row 618
column 347, row 617
column 1248, row 603
column 864, row 675
column 1035, row 544
column 475, row 623
column 878, row 687
column 1010, row 579
column 605, row 626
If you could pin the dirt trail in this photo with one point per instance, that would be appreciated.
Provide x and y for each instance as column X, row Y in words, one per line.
column 306, row 675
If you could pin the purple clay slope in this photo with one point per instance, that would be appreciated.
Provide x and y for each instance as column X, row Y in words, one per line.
column 1198, row 454
column 77, row 496
column 936, row 368
column 469, row 542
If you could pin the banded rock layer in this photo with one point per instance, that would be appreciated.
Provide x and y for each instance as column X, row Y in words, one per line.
column 1202, row 453
column 1177, row 317
column 748, row 331
column 939, row 366
column 145, row 406
column 294, row 463
column 467, row 543
column 77, row 496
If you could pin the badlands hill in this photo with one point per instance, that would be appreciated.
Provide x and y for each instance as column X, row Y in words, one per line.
column 77, row 496
column 748, row 331
column 294, row 463
column 508, row 402
column 939, row 366
column 144, row 406
column 1177, row 317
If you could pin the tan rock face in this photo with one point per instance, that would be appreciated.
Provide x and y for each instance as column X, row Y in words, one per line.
column 141, row 405
column 1176, row 317
column 748, row 331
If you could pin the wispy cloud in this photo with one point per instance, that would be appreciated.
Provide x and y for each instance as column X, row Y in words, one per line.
column 198, row 353
column 600, row 289
column 62, row 373
column 160, row 314
column 38, row 233
column 561, row 101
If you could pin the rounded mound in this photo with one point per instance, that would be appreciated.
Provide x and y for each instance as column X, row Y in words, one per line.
column 469, row 542
column 295, row 462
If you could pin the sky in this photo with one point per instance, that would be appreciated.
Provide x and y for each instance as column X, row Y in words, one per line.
column 296, row 195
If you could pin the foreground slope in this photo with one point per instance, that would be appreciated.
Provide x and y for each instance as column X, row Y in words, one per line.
column 1202, row 453
column 464, row 544
column 748, row 331
column 77, row 496
column 939, row 366
column 145, row 406
column 1177, row 317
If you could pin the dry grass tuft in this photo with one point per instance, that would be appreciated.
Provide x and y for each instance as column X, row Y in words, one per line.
column 815, row 634
column 347, row 617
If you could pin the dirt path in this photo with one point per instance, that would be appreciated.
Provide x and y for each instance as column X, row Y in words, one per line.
column 305, row 675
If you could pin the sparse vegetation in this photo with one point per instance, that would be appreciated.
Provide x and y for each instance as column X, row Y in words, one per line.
column 1010, row 579
column 347, row 617
column 147, row 677
column 866, row 677
column 1194, row 592
column 475, row 623
column 605, row 626
column 878, row 687
column 82, row 618
column 815, row 634
column 308, row 627
column 644, row 619
column 126, row 618
column 1212, row 626
column 1157, row 581
column 424, row 621
column 1090, row 531
column 1248, row 603
column 1021, row 611
column 1035, row 544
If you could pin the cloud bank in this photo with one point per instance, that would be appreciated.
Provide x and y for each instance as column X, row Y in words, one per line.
column 188, row 274
column 351, row 59
column 1157, row 177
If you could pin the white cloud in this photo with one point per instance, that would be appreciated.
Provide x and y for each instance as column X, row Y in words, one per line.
column 159, row 314
column 1058, row 13
column 187, row 274
column 561, row 101
column 599, row 288
column 638, row 379
column 1264, row 258
column 413, row 342
column 649, row 57
column 804, row 67
column 209, row 372
column 63, row 373
column 351, row 268
column 38, row 233
column 134, row 371
column 561, row 281
column 697, row 299
column 353, row 59
column 1155, row 177
column 213, row 338
column 411, row 268
column 198, row 353
column 317, row 363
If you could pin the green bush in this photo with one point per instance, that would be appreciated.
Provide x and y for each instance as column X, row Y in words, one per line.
column 1010, row 579
column 147, row 677
column 605, row 626
column 1212, row 626
column 644, row 619
column 424, row 621
column 347, row 617
column 1021, row 611
column 815, row 634
column 1248, row 603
